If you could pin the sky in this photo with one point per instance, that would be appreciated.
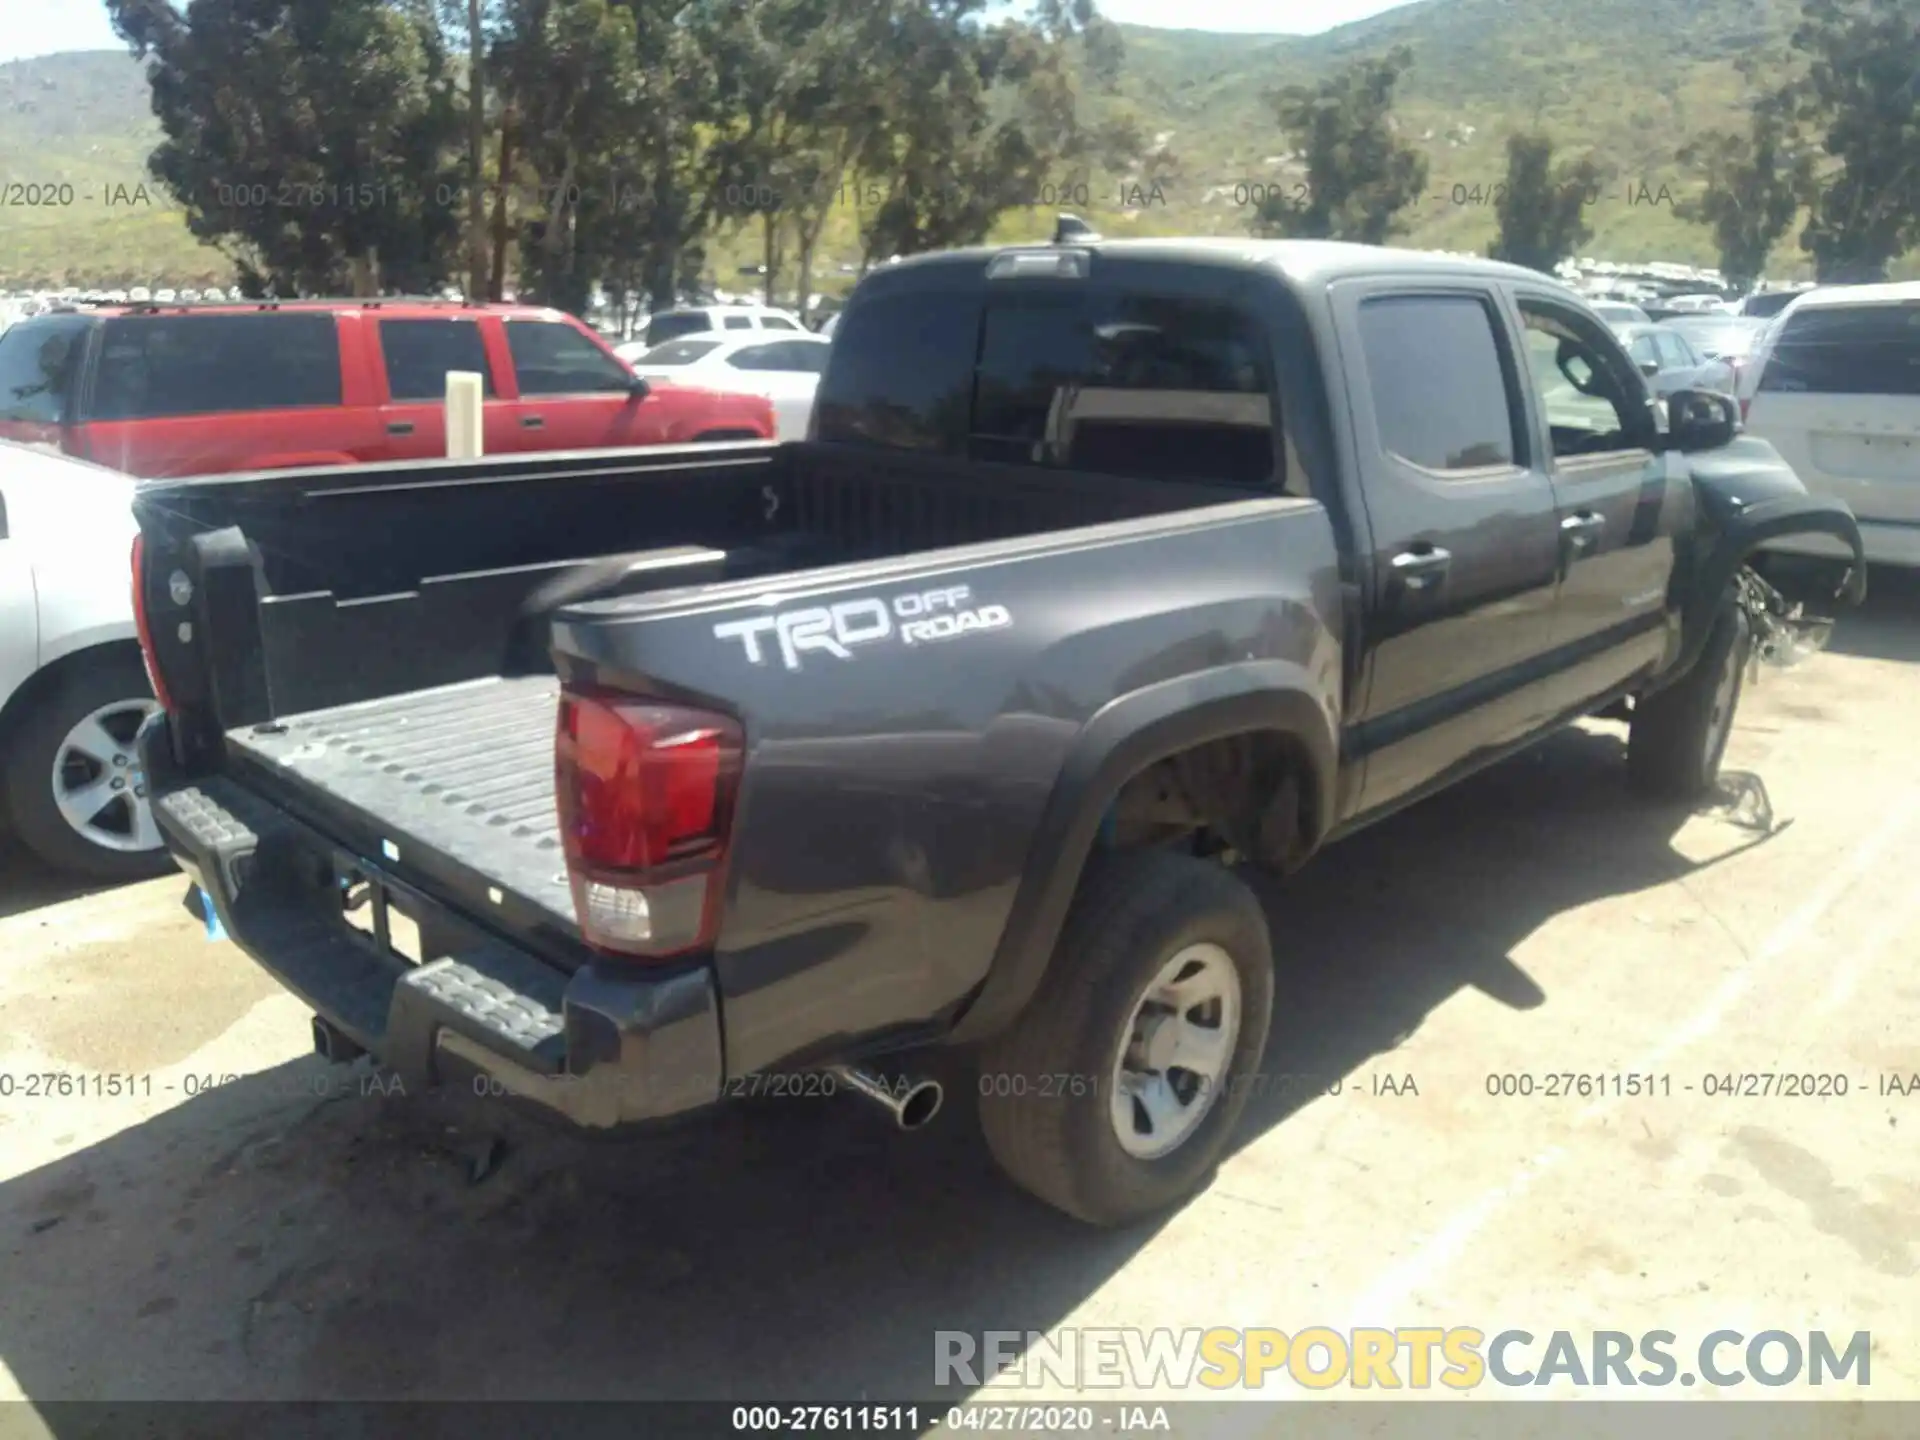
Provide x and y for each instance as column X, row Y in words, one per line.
column 45, row 27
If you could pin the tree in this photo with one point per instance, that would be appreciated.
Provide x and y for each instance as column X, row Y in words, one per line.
column 1862, row 89
column 569, row 70
column 1360, row 174
column 309, row 140
column 1542, row 212
column 982, row 119
column 1754, row 185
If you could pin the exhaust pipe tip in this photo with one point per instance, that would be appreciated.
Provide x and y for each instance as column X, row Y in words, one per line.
column 912, row 1103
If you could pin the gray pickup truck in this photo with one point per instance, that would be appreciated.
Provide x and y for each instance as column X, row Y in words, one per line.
column 625, row 783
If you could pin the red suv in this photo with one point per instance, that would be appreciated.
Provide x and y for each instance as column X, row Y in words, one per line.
column 167, row 390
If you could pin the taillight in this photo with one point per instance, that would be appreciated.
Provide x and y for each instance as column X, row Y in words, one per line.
column 1746, row 403
column 645, row 794
column 141, row 625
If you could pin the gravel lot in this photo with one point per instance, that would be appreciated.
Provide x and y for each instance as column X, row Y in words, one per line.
column 246, row 1224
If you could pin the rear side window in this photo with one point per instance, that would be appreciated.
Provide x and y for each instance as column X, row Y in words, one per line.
column 555, row 359
column 900, row 371
column 419, row 353
column 738, row 322
column 154, row 366
column 777, row 322
column 37, row 364
column 675, row 323
column 1440, row 389
column 678, row 352
column 1847, row 350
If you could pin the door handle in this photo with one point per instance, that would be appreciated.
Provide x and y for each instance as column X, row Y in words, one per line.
column 400, row 427
column 1582, row 531
column 532, row 422
column 1422, row 567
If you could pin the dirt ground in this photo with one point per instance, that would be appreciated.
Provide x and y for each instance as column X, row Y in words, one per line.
column 241, row 1221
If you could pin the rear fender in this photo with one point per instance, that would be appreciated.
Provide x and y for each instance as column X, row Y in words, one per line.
column 1119, row 742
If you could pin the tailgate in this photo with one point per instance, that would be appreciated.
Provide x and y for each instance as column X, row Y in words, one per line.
column 453, row 784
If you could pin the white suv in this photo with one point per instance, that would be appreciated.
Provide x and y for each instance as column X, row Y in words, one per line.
column 72, row 686
column 1835, row 387
column 682, row 321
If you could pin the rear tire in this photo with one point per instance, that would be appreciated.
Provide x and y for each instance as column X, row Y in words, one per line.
column 102, row 845
column 1053, row 1086
column 1679, row 735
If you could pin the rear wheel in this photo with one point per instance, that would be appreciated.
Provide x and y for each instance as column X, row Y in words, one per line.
column 1114, row 1094
column 1679, row 735
column 75, row 790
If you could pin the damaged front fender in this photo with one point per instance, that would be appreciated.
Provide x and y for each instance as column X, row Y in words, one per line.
column 1749, row 496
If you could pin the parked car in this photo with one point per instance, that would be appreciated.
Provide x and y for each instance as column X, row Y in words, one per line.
column 686, row 320
column 72, row 687
column 1667, row 358
column 1112, row 564
column 212, row 389
column 1765, row 304
column 1619, row 312
column 1731, row 338
column 784, row 368
column 1835, row 388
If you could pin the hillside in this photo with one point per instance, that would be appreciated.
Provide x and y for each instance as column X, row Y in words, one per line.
column 1627, row 80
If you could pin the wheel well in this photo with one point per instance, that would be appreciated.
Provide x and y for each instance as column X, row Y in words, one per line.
column 50, row 677
column 1251, row 793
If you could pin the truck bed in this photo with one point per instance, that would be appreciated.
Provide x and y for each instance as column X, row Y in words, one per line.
column 463, row 771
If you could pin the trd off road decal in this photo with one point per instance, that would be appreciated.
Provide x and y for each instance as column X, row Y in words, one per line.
column 919, row 617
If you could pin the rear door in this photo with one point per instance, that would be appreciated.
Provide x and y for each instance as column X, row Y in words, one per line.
column 187, row 394
column 1839, row 396
column 787, row 372
column 575, row 394
column 414, row 356
column 1464, row 532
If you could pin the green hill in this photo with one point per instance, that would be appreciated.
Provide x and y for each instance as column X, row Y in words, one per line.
column 1625, row 80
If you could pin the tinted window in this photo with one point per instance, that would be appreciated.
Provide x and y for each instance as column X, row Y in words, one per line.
column 678, row 352
column 421, row 352
column 803, row 356
column 1770, row 303
column 1439, row 389
column 552, row 358
column 778, row 322
column 1124, row 385
column 900, row 371
column 37, row 363
column 159, row 365
column 1847, row 350
column 674, row 324
column 738, row 322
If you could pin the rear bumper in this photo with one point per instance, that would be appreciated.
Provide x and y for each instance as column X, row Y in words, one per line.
column 598, row 1048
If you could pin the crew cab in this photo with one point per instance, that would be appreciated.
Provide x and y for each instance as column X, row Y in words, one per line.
column 614, row 782
column 172, row 390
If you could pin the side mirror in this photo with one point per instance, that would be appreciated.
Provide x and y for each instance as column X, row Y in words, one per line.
column 638, row 388
column 1649, row 368
column 1700, row 420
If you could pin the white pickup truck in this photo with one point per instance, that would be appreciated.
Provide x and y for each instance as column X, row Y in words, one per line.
column 72, row 686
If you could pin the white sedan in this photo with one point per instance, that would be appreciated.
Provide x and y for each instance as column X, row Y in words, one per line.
column 785, row 368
